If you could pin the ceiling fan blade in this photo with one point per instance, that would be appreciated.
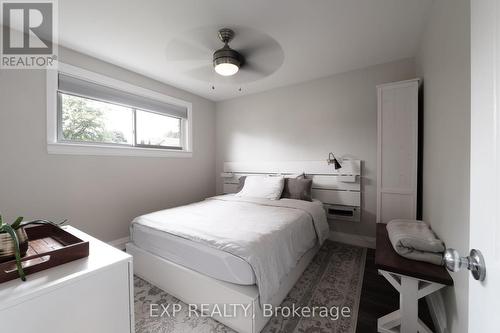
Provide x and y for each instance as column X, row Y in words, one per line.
column 268, row 56
column 253, row 45
column 204, row 73
column 257, row 70
column 181, row 50
column 263, row 56
column 205, row 37
column 195, row 44
column 261, row 68
column 249, row 74
column 257, row 47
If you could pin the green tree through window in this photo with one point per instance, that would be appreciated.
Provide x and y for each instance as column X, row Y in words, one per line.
column 85, row 120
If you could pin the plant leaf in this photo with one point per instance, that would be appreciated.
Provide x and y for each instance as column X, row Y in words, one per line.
column 17, row 223
column 7, row 228
column 39, row 222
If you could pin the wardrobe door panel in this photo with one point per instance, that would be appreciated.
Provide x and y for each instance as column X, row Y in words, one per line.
column 397, row 150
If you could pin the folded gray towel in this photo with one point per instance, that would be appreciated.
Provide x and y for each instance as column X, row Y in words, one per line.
column 415, row 240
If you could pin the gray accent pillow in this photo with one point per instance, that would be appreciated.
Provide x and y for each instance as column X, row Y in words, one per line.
column 297, row 188
column 241, row 183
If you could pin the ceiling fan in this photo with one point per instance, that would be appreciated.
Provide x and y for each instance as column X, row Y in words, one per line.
column 227, row 61
column 197, row 54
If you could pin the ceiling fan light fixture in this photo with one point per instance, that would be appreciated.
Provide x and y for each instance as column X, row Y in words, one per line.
column 226, row 69
column 227, row 61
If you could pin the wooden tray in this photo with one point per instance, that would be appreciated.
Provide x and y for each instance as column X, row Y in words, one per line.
column 48, row 246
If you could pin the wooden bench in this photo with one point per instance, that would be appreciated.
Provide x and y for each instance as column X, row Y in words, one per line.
column 412, row 279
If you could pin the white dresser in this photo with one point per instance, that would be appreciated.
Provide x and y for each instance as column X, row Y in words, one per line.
column 398, row 149
column 93, row 294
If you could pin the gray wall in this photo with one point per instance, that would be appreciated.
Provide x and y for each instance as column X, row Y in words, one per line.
column 308, row 120
column 98, row 194
column 444, row 64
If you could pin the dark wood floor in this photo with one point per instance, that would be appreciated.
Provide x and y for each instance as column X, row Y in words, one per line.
column 379, row 298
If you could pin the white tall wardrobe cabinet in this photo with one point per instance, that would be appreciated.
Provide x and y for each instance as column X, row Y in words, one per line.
column 398, row 150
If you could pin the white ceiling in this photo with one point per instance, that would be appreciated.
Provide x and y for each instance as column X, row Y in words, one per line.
column 318, row 37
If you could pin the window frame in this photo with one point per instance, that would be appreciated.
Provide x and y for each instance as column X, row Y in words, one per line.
column 55, row 145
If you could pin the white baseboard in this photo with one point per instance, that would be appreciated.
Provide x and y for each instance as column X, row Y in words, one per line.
column 437, row 310
column 352, row 239
column 120, row 243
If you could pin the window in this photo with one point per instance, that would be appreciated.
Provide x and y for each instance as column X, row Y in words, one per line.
column 94, row 115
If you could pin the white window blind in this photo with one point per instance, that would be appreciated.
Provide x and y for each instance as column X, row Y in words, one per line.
column 75, row 86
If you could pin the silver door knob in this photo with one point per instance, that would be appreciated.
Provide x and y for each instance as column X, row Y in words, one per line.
column 474, row 263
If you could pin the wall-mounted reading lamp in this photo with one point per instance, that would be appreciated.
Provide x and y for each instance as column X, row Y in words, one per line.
column 333, row 160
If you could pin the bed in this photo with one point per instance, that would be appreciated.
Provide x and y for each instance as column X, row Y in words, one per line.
column 229, row 250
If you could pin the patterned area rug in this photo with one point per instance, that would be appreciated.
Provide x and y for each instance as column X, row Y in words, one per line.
column 333, row 280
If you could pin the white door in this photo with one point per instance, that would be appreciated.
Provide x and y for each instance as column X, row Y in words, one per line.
column 484, row 297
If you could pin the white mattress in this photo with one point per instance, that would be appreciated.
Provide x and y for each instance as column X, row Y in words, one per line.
column 201, row 258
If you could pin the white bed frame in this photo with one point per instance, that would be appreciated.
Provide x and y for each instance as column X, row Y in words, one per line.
column 192, row 287
column 329, row 185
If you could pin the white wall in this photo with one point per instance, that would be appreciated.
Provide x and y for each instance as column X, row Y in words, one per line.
column 444, row 64
column 308, row 120
column 98, row 194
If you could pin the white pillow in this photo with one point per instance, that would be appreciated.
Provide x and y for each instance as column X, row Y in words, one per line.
column 262, row 187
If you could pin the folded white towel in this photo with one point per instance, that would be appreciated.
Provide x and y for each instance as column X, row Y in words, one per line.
column 415, row 240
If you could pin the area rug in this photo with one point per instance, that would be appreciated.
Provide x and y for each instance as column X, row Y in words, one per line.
column 333, row 280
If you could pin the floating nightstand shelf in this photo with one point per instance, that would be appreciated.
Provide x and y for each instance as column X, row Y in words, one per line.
column 343, row 212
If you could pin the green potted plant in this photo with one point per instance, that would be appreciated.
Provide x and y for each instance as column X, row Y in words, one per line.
column 14, row 241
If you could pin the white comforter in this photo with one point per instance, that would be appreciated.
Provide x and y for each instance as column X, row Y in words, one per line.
column 271, row 235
